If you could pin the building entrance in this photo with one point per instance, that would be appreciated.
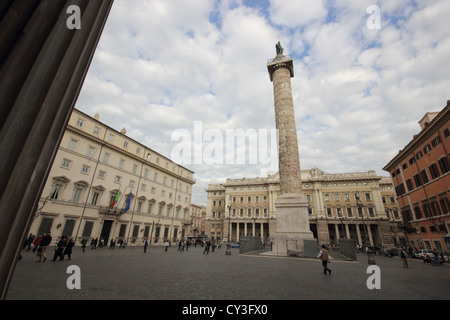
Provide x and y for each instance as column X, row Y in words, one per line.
column 106, row 230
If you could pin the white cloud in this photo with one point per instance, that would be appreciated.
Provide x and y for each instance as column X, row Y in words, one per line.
column 293, row 13
column 358, row 93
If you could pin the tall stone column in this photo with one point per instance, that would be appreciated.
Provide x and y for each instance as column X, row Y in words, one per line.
column 291, row 206
column 43, row 64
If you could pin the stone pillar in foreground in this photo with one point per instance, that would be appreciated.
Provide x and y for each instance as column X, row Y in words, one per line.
column 43, row 64
column 291, row 206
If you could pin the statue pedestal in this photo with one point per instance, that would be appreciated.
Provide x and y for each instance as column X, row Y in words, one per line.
column 292, row 225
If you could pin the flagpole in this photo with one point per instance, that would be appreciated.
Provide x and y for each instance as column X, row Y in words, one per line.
column 120, row 197
column 102, row 143
column 134, row 205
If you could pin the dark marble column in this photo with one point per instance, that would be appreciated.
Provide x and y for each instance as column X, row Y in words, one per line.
column 43, row 64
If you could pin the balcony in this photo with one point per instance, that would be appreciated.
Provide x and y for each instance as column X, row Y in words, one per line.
column 108, row 210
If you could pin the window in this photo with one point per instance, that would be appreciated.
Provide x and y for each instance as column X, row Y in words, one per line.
column 417, row 180
column 56, row 191
column 95, row 196
column 85, row 169
column 80, row 122
column 426, row 209
column 360, row 211
column 404, row 166
column 329, row 212
column 447, row 133
column 436, row 141
column 424, row 176
column 135, row 166
column 327, row 197
column 106, row 158
column 371, row 212
column 419, row 155
column 150, row 206
column 96, row 130
column 427, row 149
column 409, row 184
column 110, row 137
column 102, row 174
column 435, row 207
column 336, row 197
column 444, row 164
column 155, row 177
column 72, row 144
column 121, row 163
column 68, row 227
column 117, row 179
column 445, row 204
column 77, row 195
column 434, row 170
column 66, row 164
column 87, row 230
column 125, row 144
column 90, row 152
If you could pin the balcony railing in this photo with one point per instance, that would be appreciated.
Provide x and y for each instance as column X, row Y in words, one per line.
column 108, row 210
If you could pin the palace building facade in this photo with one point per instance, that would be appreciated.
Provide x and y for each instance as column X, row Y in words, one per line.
column 105, row 185
column 361, row 206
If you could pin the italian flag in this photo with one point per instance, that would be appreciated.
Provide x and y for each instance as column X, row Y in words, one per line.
column 116, row 199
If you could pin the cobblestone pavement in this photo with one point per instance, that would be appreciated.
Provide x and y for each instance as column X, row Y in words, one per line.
column 131, row 274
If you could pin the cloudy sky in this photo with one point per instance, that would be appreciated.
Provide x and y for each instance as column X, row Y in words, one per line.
column 181, row 74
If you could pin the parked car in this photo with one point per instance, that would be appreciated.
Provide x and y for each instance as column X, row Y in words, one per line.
column 234, row 245
column 421, row 254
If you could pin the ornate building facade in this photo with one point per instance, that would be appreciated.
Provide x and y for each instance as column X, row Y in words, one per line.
column 105, row 185
column 360, row 206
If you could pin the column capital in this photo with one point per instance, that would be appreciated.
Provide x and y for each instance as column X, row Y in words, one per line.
column 280, row 61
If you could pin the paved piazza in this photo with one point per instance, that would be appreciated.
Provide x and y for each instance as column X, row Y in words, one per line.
column 131, row 274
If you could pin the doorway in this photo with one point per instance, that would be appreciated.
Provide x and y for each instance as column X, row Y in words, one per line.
column 106, row 230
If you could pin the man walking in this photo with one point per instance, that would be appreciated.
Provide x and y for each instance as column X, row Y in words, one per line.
column 45, row 242
column 323, row 255
column 145, row 245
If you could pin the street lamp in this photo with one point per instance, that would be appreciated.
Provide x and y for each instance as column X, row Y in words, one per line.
column 370, row 258
column 228, row 251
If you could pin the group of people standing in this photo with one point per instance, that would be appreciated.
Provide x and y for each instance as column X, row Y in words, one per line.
column 41, row 243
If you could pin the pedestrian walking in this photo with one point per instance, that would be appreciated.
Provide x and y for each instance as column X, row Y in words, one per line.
column 403, row 258
column 68, row 250
column 436, row 258
column 36, row 242
column 83, row 244
column 112, row 244
column 324, row 256
column 59, row 251
column 166, row 245
column 145, row 245
column 207, row 245
column 43, row 245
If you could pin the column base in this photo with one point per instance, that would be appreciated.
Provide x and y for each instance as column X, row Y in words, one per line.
column 292, row 225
